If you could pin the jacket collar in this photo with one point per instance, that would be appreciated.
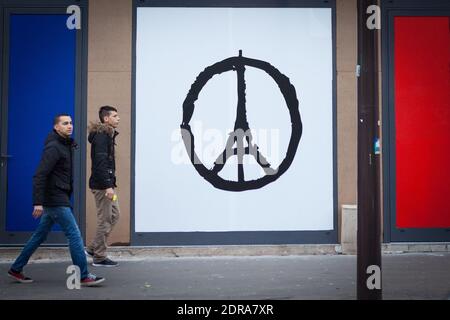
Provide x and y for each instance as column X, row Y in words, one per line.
column 98, row 127
column 66, row 141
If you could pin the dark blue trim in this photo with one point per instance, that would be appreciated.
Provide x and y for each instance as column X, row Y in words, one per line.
column 236, row 3
column 47, row 7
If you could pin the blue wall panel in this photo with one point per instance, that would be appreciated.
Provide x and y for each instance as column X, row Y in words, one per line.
column 41, row 84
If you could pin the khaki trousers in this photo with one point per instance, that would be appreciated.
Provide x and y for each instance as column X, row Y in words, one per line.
column 107, row 216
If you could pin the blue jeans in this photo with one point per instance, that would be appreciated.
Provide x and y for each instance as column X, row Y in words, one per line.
column 64, row 217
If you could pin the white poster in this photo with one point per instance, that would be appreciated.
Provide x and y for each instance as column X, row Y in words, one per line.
column 234, row 127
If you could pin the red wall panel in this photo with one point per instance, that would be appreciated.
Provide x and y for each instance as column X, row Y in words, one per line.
column 422, row 121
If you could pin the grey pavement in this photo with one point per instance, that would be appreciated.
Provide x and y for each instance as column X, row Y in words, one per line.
column 405, row 276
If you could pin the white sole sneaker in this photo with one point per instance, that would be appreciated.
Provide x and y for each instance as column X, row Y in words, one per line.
column 93, row 283
column 104, row 265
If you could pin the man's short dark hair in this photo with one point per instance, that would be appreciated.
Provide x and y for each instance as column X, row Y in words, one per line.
column 105, row 111
column 56, row 118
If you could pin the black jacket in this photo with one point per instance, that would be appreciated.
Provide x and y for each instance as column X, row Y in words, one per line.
column 53, row 180
column 103, row 170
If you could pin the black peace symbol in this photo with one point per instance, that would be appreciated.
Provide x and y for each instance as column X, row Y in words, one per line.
column 241, row 127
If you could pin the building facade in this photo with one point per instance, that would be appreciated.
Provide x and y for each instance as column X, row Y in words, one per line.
column 238, row 118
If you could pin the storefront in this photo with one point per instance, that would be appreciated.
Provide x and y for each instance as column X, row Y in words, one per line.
column 239, row 118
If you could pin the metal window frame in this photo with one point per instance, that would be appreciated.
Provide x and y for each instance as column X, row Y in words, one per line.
column 8, row 7
column 234, row 237
column 391, row 9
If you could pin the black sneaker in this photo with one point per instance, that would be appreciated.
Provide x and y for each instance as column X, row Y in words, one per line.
column 89, row 253
column 105, row 263
column 19, row 276
column 91, row 280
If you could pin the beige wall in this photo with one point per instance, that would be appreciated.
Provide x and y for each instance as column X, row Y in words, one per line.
column 109, row 82
column 346, row 56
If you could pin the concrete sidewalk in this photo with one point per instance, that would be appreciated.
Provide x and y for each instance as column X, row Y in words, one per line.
column 8, row 254
column 405, row 276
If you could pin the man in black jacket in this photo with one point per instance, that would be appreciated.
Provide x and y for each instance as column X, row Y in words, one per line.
column 102, row 182
column 52, row 187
